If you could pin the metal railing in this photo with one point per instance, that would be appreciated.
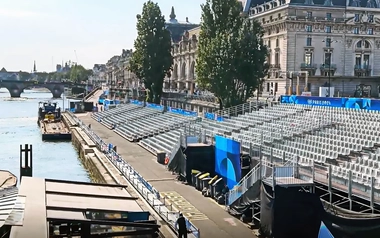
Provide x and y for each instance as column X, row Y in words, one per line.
column 238, row 109
column 245, row 183
column 150, row 194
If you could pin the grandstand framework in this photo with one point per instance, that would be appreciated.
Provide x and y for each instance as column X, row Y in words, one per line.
column 335, row 151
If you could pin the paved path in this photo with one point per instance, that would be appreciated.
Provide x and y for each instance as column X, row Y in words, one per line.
column 204, row 213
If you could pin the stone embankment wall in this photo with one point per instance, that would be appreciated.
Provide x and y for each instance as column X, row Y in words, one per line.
column 88, row 153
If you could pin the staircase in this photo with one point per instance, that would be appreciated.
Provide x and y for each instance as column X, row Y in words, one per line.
column 245, row 183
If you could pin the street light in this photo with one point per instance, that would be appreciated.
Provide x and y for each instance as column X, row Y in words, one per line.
column 328, row 44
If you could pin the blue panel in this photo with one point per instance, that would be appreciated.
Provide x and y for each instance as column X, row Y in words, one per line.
column 324, row 232
column 182, row 111
column 227, row 160
column 212, row 116
column 356, row 103
column 138, row 216
column 155, row 106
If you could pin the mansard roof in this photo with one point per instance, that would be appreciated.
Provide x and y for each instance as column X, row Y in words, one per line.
column 247, row 4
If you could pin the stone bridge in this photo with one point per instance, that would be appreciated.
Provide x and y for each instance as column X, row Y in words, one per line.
column 15, row 87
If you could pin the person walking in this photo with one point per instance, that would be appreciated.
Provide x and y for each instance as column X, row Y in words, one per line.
column 181, row 226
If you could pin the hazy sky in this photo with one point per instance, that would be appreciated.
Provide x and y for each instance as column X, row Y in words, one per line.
column 51, row 31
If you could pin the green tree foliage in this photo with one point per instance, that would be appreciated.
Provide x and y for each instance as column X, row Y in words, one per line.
column 231, row 59
column 152, row 60
column 79, row 74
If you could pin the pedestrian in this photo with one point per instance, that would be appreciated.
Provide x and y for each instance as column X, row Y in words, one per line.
column 181, row 226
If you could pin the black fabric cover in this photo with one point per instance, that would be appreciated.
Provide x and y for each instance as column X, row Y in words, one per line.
column 348, row 224
column 178, row 163
column 242, row 204
column 296, row 213
column 266, row 214
column 201, row 158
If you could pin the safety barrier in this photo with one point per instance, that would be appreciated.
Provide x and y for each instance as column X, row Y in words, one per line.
column 150, row 194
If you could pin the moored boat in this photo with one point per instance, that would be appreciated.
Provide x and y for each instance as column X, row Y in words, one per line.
column 50, row 122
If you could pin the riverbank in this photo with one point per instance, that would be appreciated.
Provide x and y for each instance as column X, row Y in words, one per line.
column 101, row 170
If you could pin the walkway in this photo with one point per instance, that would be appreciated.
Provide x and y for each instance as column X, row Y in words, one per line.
column 211, row 219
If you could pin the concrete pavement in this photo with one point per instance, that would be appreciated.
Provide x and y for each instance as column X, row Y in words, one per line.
column 209, row 217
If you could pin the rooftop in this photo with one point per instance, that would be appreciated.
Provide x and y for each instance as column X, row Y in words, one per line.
column 57, row 206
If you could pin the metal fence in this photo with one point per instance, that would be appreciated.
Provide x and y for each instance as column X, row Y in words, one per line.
column 150, row 194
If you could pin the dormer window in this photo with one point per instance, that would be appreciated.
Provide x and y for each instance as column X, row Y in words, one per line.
column 370, row 18
column 328, row 16
column 357, row 17
column 309, row 15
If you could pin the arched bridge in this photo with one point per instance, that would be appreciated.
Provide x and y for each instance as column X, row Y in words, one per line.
column 15, row 87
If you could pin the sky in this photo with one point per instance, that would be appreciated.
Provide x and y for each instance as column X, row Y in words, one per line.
column 85, row 31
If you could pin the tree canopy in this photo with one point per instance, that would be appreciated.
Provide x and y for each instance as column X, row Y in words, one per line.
column 152, row 60
column 231, row 60
column 79, row 74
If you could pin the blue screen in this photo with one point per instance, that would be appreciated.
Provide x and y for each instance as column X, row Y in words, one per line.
column 227, row 160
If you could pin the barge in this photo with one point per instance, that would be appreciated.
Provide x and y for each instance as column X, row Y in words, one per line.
column 50, row 121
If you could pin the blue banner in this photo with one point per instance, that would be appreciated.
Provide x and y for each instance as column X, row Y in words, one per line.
column 155, row 106
column 357, row 103
column 212, row 116
column 137, row 102
column 182, row 111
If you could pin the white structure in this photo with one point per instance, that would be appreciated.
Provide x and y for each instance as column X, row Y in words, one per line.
column 184, row 54
column 336, row 41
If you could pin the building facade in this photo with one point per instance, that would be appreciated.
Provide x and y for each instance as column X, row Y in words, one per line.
column 184, row 55
column 317, row 43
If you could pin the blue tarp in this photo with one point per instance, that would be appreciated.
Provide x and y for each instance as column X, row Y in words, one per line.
column 324, row 232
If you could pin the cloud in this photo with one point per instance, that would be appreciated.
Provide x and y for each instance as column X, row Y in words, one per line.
column 17, row 13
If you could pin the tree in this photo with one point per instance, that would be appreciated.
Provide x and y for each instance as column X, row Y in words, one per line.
column 231, row 60
column 152, row 60
column 79, row 74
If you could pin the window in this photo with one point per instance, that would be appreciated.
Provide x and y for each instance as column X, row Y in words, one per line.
column 277, row 43
column 270, row 18
column 279, row 16
column 356, row 30
column 327, row 61
column 328, row 16
column 308, row 41
column 275, row 87
column 277, row 59
column 370, row 31
column 328, row 42
column 308, row 58
column 309, row 15
column 277, row 30
column 359, row 44
column 370, row 18
column 357, row 17
column 309, row 28
column 268, row 87
column 269, row 44
column 328, row 29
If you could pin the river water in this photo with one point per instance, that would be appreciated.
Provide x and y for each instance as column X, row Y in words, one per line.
column 18, row 125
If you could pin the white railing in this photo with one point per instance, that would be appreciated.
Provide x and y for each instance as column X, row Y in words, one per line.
column 238, row 109
column 148, row 192
column 245, row 183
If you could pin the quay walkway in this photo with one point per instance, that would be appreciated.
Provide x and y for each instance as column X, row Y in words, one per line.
column 210, row 218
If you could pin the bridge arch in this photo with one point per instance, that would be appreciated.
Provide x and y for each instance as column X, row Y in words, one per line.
column 15, row 88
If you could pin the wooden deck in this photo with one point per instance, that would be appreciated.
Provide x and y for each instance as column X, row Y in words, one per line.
column 54, row 128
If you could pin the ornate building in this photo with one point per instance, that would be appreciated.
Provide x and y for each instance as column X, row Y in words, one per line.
column 184, row 53
column 314, row 43
column 117, row 74
column 177, row 28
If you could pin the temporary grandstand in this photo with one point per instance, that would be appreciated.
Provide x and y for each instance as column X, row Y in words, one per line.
column 334, row 149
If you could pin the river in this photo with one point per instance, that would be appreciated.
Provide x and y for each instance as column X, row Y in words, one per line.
column 18, row 125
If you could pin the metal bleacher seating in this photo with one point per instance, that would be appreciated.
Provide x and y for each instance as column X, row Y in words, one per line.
column 164, row 142
column 153, row 125
column 345, row 139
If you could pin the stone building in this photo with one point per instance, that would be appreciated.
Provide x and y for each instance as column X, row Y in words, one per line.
column 177, row 28
column 334, row 42
column 184, row 54
column 117, row 73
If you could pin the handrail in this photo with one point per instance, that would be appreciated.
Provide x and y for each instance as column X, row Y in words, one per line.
column 238, row 109
column 150, row 194
column 244, row 184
